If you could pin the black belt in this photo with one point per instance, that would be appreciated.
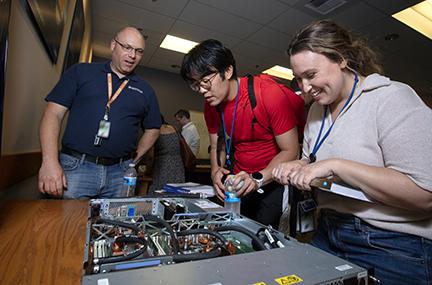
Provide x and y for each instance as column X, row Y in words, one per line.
column 95, row 159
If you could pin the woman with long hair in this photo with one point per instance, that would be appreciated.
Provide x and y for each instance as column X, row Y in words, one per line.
column 375, row 135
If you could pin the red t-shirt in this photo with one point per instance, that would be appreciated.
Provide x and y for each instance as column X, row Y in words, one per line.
column 254, row 146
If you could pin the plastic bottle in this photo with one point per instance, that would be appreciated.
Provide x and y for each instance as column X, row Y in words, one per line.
column 232, row 202
column 129, row 181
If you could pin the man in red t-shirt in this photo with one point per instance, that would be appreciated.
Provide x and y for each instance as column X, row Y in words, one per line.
column 262, row 137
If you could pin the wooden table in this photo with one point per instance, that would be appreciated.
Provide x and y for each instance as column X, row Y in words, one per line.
column 42, row 241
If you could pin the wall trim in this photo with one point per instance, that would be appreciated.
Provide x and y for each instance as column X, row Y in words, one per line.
column 17, row 167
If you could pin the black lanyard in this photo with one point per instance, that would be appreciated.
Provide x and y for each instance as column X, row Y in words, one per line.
column 319, row 141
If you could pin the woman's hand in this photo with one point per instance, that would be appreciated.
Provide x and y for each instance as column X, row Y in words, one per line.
column 282, row 172
column 302, row 177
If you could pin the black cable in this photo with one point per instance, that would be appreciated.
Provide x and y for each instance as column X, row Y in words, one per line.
column 131, row 239
column 215, row 252
column 203, row 231
column 175, row 244
column 125, row 239
column 254, row 238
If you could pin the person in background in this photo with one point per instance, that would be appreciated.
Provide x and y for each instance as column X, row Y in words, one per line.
column 167, row 161
column 107, row 104
column 374, row 134
column 210, row 69
column 189, row 130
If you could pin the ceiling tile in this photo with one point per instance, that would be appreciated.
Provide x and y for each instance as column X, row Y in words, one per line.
column 131, row 15
column 170, row 8
column 101, row 24
column 250, row 9
column 290, row 2
column 256, row 51
column 393, row 6
column 353, row 16
column 215, row 19
column 108, row 27
column 271, row 39
column 199, row 34
column 291, row 21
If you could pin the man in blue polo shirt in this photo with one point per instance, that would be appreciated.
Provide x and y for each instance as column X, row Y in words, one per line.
column 107, row 104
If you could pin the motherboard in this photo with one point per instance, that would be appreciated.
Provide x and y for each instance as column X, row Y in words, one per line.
column 194, row 241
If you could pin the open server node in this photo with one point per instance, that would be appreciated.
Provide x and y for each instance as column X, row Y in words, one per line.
column 193, row 241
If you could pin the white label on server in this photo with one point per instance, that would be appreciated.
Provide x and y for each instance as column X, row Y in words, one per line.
column 104, row 281
column 343, row 267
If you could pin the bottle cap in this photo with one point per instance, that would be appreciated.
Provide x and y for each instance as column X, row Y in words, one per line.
column 231, row 197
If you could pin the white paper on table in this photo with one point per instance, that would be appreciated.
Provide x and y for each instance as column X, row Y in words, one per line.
column 195, row 188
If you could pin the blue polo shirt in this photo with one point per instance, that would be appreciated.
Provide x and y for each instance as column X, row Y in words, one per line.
column 83, row 89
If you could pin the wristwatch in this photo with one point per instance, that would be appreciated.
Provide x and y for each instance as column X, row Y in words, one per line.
column 259, row 180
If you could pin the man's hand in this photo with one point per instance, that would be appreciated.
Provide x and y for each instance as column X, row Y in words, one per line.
column 217, row 181
column 249, row 185
column 52, row 179
column 51, row 176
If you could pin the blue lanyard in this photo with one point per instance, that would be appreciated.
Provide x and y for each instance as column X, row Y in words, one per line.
column 319, row 141
column 229, row 144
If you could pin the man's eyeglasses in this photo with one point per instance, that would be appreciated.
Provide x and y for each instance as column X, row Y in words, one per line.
column 129, row 49
column 204, row 83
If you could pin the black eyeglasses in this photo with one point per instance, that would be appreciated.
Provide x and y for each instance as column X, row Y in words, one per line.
column 129, row 49
column 204, row 83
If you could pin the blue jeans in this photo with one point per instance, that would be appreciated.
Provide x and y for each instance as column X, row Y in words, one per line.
column 87, row 180
column 396, row 258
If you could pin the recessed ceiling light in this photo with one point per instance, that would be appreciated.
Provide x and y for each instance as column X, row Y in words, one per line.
column 177, row 44
column 418, row 17
column 280, row 71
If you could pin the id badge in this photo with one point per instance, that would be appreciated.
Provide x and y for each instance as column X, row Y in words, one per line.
column 104, row 129
column 306, row 215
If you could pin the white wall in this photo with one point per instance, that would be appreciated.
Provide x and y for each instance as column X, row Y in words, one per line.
column 30, row 75
column 173, row 94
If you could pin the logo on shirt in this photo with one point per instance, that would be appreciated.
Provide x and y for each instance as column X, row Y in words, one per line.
column 135, row 89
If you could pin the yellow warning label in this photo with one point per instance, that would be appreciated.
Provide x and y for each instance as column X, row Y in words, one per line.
column 260, row 283
column 286, row 280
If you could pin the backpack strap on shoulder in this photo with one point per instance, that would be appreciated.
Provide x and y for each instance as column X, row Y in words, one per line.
column 251, row 92
column 252, row 98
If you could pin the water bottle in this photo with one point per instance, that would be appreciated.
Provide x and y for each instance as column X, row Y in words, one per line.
column 232, row 202
column 129, row 181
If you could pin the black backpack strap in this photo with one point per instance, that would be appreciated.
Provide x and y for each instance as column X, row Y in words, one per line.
column 252, row 98
column 251, row 92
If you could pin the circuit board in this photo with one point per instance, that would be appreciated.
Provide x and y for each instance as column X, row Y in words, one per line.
column 165, row 240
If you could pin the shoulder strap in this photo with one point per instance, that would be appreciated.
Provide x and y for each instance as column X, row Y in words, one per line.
column 253, row 101
column 251, row 92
